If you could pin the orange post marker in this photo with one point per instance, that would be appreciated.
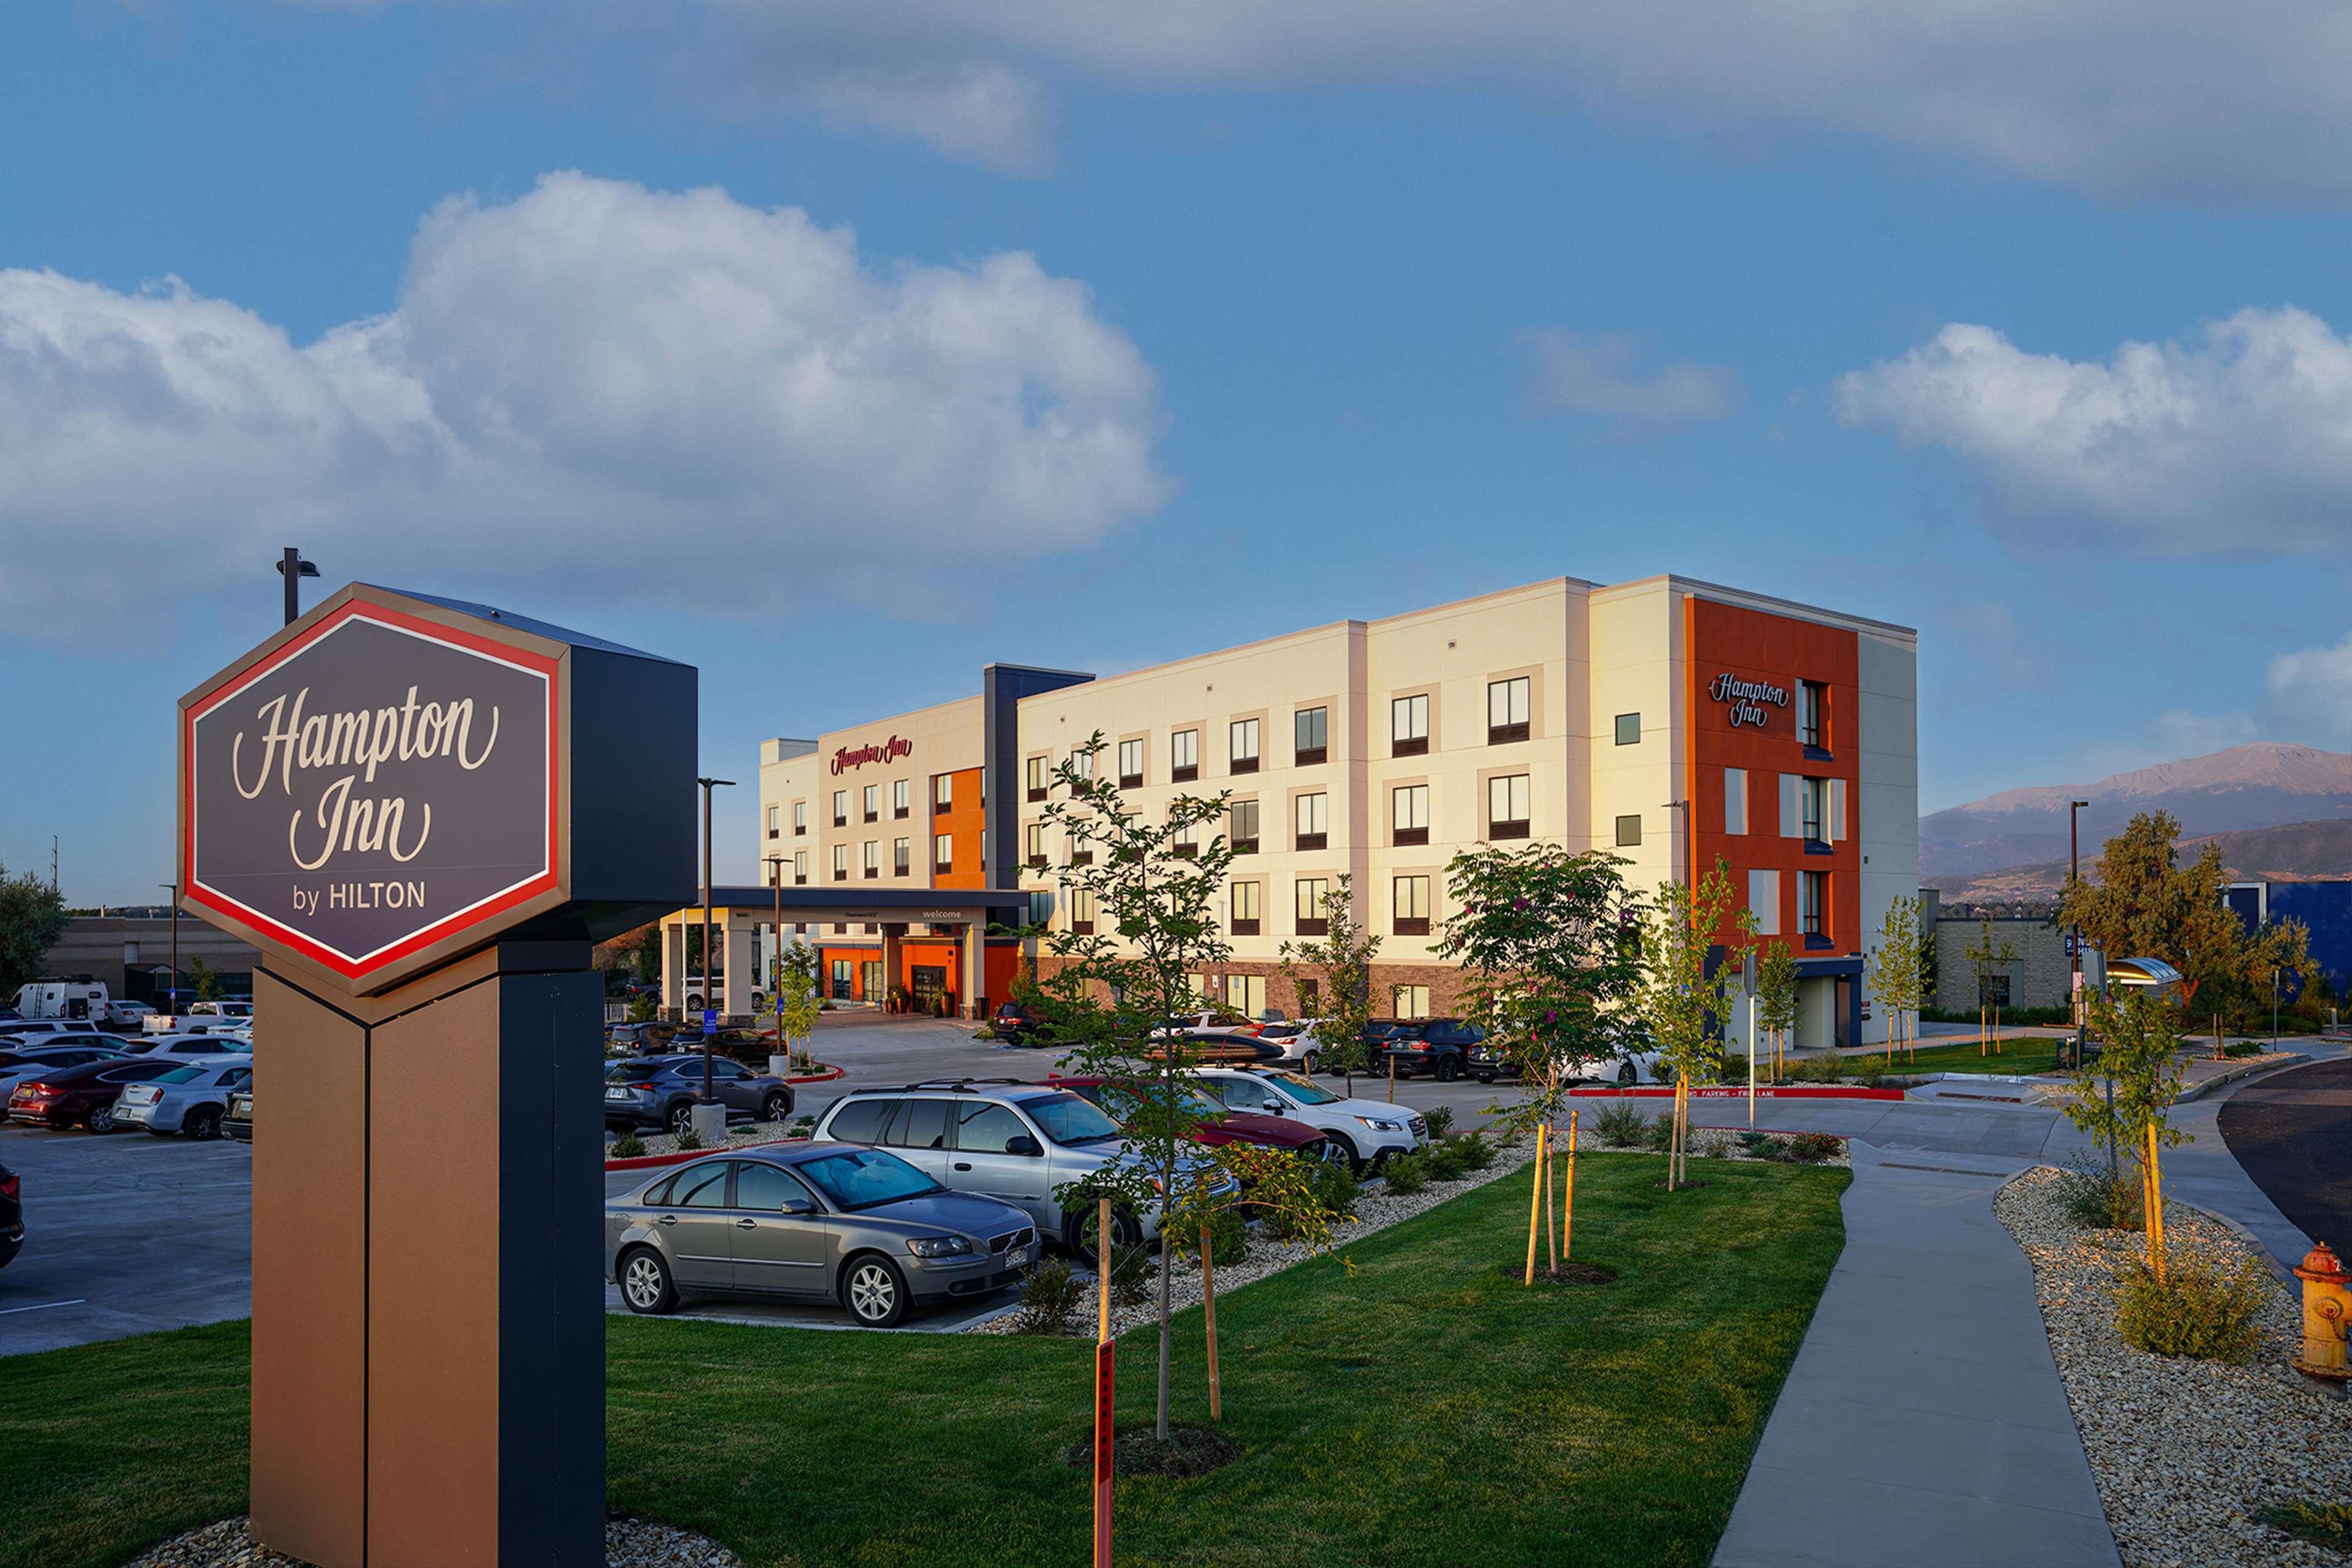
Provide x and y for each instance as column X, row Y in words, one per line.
column 1568, row 1219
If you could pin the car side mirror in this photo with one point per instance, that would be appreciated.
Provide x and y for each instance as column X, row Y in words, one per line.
column 799, row 1205
column 1023, row 1145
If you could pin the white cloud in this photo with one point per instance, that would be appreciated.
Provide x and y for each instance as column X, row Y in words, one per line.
column 1597, row 375
column 2314, row 688
column 2236, row 441
column 2131, row 97
column 670, row 394
column 976, row 110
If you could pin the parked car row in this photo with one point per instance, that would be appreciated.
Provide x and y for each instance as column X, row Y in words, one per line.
column 165, row 1084
column 662, row 1091
column 946, row 1188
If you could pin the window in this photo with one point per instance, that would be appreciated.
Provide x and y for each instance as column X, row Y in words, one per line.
column 1992, row 990
column 1411, row 895
column 1185, row 756
column 902, row 856
column 1812, row 699
column 1082, row 910
column 985, row 1129
column 841, row 808
column 1628, row 832
column 1813, row 890
column 1076, row 851
column 942, row 852
column 859, row 1121
column 1245, row 995
column 1041, row 908
column 1409, row 726
column 1507, row 709
column 1409, row 814
column 1188, row 841
column 902, row 796
column 920, row 1124
column 799, row 817
column 775, row 822
column 1244, row 914
column 1410, row 1001
column 1032, row 845
column 870, row 857
column 702, row 1188
column 841, row 862
column 1812, row 801
column 1310, row 736
column 799, row 868
column 1764, row 902
column 765, row 1188
column 1507, row 806
column 1629, row 728
column 1033, row 773
column 942, row 792
column 1735, row 800
column 871, row 800
column 1240, row 826
column 1242, row 746
column 1130, row 763
column 1311, row 819
column 1308, row 897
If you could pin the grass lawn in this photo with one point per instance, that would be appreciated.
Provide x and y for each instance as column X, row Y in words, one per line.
column 1424, row 1408
column 2018, row 1057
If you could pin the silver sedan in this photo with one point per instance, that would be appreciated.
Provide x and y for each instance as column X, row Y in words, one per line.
column 826, row 1223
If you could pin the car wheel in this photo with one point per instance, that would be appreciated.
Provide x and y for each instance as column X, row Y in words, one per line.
column 646, row 1283
column 1484, row 1077
column 102, row 1120
column 874, row 1291
column 776, row 1107
column 1627, row 1075
column 681, row 1117
column 1448, row 1069
column 1347, row 1146
column 1310, row 1061
column 1125, row 1231
column 203, row 1124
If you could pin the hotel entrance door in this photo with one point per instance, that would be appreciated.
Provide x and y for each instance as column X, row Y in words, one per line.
column 931, row 986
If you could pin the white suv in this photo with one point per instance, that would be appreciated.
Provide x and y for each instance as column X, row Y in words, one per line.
column 1368, row 1130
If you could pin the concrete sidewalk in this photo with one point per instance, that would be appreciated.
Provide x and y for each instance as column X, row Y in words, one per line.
column 1923, row 1422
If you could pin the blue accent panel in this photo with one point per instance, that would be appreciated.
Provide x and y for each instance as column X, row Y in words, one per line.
column 2247, row 903
column 2326, row 908
column 1816, row 846
column 1815, row 944
column 1818, row 754
column 1001, row 687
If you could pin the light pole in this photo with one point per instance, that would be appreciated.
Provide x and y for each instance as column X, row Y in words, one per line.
column 172, row 999
column 2074, row 934
column 776, row 946
column 710, row 969
column 293, row 568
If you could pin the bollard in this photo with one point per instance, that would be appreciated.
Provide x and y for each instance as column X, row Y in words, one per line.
column 2326, row 1313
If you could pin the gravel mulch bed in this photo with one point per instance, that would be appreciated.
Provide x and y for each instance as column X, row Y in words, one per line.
column 628, row 1543
column 737, row 1135
column 1376, row 1210
column 2186, row 1453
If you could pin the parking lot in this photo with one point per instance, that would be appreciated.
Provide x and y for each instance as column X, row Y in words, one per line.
column 130, row 1233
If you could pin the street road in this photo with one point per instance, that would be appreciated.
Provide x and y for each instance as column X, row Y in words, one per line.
column 2292, row 1134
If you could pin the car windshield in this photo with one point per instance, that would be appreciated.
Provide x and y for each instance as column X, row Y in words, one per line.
column 1069, row 1119
column 182, row 1074
column 863, row 1178
column 1121, row 1102
column 1303, row 1090
column 624, row 1070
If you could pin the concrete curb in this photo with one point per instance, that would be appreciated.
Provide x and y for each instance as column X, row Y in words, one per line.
column 2239, row 1075
column 651, row 1162
column 1737, row 1092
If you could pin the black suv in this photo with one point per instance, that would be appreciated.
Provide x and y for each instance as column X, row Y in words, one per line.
column 1439, row 1046
column 661, row 1091
column 1014, row 1023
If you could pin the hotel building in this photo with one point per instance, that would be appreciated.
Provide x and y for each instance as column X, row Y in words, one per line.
column 1667, row 720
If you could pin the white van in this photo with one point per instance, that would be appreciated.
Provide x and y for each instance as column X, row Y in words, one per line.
column 81, row 997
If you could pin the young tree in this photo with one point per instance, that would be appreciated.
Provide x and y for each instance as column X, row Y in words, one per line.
column 1893, row 969
column 1987, row 958
column 2140, row 1054
column 797, row 1000
column 1551, row 958
column 205, row 979
column 1681, row 1002
column 32, row 918
column 1776, row 999
column 1343, row 986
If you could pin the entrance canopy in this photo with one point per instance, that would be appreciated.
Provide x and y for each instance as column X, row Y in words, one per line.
column 737, row 913
column 2152, row 974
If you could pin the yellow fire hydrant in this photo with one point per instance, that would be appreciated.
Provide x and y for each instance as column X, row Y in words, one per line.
column 2326, row 1313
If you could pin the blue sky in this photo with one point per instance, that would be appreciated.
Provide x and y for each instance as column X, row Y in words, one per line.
column 1100, row 349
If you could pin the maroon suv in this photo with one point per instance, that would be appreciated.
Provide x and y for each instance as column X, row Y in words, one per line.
column 84, row 1094
column 1218, row 1125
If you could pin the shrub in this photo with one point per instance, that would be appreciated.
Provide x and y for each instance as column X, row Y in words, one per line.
column 2326, row 1523
column 2095, row 1200
column 687, row 1139
column 1659, row 1135
column 1812, row 1148
column 1336, row 1187
column 1620, row 1126
column 2197, row 1309
column 1440, row 1121
column 1406, row 1173
column 1827, row 1068
column 1870, row 1069
column 2244, row 1048
column 1445, row 1158
column 1473, row 1152
column 983, row 1032
column 1228, row 1240
column 1130, row 1276
column 627, row 1146
column 1051, row 1294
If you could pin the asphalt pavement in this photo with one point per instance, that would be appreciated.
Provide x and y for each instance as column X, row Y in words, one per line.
column 2292, row 1132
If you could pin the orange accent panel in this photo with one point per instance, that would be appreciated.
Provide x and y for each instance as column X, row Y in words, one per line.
column 963, row 821
column 1756, row 644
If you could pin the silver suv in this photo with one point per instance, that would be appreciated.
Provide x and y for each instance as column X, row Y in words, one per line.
column 1000, row 1139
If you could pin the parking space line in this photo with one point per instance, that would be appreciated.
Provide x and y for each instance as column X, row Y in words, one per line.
column 43, row 1306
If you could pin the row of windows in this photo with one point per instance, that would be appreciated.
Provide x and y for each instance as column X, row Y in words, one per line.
column 902, row 797
column 869, row 857
column 1508, row 799
column 1246, row 993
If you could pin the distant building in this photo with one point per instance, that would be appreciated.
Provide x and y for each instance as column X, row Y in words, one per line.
column 2039, row 978
column 131, row 955
column 2324, row 908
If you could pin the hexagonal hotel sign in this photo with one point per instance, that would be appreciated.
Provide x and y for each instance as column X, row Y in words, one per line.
column 377, row 789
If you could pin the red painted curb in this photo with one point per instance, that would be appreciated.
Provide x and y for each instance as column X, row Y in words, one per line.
column 648, row 1162
column 1763, row 1091
column 828, row 1076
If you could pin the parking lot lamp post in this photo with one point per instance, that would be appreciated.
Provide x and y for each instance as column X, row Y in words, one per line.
column 776, row 948
column 293, row 568
column 709, row 1091
column 2074, row 936
column 172, row 996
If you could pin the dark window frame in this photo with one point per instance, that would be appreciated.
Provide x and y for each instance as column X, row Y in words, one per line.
column 1634, row 818
column 1622, row 739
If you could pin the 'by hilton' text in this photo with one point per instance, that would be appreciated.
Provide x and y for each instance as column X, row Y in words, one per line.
column 1745, row 699
column 355, row 743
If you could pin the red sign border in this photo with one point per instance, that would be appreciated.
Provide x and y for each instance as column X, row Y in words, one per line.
column 548, row 879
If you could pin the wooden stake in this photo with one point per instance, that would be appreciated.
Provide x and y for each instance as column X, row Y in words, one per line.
column 1551, row 1237
column 1535, row 1201
column 1392, row 1080
column 1209, row 1314
column 1568, row 1218
column 2155, row 1205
